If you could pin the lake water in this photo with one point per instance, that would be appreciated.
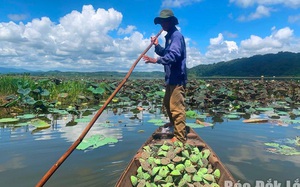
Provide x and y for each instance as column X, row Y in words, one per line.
column 26, row 155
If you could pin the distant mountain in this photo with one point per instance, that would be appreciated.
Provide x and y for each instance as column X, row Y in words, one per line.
column 4, row 70
column 269, row 65
column 280, row 64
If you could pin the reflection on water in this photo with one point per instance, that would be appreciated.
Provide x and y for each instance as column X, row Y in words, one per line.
column 29, row 153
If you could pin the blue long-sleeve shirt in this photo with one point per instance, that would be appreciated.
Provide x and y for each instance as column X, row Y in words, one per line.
column 173, row 57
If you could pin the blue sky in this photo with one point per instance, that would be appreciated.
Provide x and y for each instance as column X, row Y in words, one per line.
column 100, row 35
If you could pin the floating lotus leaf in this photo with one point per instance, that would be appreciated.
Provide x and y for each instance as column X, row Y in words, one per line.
column 157, row 122
column 190, row 169
column 191, row 114
column 9, row 120
column 39, row 124
column 272, row 144
column 160, row 93
column 217, row 173
column 58, row 111
column 264, row 109
column 21, row 124
column 209, row 177
column 164, row 171
column 232, row 116
column 27, row 116
column 95, row 141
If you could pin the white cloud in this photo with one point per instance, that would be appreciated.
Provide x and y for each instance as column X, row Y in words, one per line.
column 220, row 50
column 85, row 41
column 224, row 50
column 80, row 41
column 128, row 30
column 279, row 40
column 260, row 12
column 178, row 3
column 248, row 3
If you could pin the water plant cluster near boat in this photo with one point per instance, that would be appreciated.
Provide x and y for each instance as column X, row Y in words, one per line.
column 175, row 164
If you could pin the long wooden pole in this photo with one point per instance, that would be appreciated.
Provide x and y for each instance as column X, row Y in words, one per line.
column 91, row 123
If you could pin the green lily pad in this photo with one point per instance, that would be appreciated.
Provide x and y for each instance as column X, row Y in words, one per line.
column 157, row 122
column 27, row 116
column 191, row 114
column 262, row 109
column 83, row 119
column 95, row 141
column 9, row 120
column 39, row 124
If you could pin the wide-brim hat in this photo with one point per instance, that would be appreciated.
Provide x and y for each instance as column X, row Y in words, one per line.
column 167, row 15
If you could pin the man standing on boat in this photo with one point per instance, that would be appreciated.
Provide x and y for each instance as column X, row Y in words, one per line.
column 173, row 58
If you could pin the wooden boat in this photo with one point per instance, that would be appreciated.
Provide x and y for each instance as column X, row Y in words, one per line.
column 159, row 138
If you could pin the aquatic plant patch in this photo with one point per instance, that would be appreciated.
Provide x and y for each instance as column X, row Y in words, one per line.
column 175, row 164
column 287, row 146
